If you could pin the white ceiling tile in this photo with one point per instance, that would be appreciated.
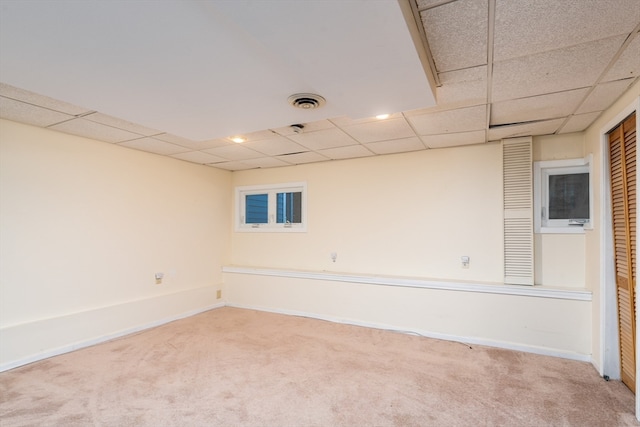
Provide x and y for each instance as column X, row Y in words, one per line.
column 603, row 96
column 265, row 162
column 40, row 100
column 255, row 136
column 121, row 124
column 275, row 146
column 349, row 152
column 462, row 76
column 570, row 68
column 397, row 146
column 152, row 145
column 328, row 138
column 579, row 122
column 199, row 157
column 22, row 112
column 544, row 25
column 541, row 107
column 285, row 131
column 231, row 166
column 193, row 145
column 463, row 87
column 234, row 152
column 421, row 111
column 308, row 157
column 628, row 65
column 437, row 108
column 454, row 139
column 380, row 130
column 457, row 34
column 95, row 130
column 450, row 121
column 545, row 127
column 318, row 125
column 344, row 121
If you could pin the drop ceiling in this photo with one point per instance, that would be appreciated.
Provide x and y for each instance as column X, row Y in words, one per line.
column 178, row 78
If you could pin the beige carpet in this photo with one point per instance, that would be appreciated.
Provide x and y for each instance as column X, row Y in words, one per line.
column 233, row 367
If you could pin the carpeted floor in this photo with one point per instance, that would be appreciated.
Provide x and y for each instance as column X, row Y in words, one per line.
column 234, row 367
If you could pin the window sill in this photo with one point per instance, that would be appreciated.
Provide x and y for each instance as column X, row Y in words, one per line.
column 561, row 230
column 412, row 282
column 271, row 230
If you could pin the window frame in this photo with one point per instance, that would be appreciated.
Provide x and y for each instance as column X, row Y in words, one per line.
column 272, row 191
column 541, row 172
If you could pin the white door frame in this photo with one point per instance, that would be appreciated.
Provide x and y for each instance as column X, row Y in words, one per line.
column 609, row 346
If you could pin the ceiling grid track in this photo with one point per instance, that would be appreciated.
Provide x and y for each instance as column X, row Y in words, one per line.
column 490, row 37
column 425, row 42
column 609, row 66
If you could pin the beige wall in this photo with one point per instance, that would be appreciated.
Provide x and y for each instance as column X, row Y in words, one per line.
column 85, row 225
column 558, row 147
column 454, row 199
column 509, row 321
column 559, row 258
column 412, row 214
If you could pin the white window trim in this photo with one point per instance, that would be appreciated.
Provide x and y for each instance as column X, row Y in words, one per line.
column 541, row 182
column 271, row 190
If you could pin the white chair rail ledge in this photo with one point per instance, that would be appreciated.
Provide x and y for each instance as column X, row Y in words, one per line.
column 416, row 282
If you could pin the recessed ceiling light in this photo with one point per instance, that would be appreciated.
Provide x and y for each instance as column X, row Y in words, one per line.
column 238, row 139
column 382, row 116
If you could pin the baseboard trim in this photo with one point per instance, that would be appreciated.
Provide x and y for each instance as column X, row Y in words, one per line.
column 545, row 351
column 465, row 340
column 108, row 337
column 480, row 287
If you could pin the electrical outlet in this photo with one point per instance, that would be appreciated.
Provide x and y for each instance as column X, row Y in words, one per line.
column 218, row 294
column 334, row 256
column 159, row 277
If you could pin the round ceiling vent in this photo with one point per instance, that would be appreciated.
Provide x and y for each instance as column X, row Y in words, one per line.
column 306, row 101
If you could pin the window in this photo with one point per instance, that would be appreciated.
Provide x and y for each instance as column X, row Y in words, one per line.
column 271, row 208
column 562, row 196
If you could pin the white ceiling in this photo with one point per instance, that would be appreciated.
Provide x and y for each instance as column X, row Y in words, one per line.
column 178, row 78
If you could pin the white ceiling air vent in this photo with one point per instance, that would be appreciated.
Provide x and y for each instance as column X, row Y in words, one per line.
column 306, row 101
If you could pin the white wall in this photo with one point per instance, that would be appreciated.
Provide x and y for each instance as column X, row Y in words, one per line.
column 409, row 215
column 86, row 224
column 412, row 214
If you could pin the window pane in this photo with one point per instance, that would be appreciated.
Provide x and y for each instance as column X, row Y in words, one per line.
column 256, row 209
column 289, row 208
column 569, row 196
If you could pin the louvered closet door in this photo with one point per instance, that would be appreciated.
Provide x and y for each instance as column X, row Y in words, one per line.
column 622, row 157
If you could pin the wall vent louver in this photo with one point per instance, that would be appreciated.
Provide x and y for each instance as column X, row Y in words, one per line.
column 518, row 211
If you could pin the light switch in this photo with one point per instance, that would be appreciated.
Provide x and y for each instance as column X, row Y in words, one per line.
column 465, row 261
